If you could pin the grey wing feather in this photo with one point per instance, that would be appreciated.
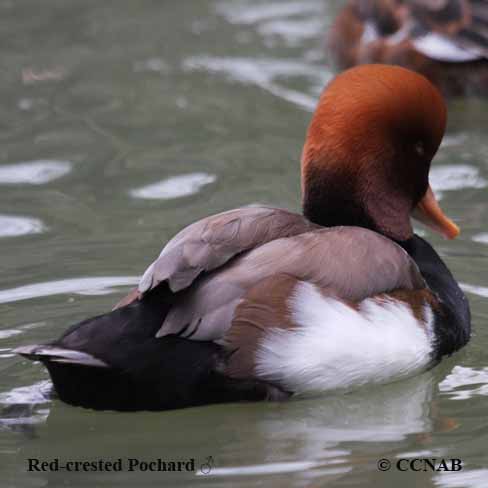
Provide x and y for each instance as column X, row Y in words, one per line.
column 350, row 262
column 211, row 242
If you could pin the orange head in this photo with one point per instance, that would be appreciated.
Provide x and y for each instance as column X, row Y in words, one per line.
column 368, row 151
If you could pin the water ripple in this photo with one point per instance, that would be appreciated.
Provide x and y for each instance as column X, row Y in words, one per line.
column 12, row 226
column 452, row 140
column 152, row 64
column 174, row 187
column 264, row 74
column 33, row 172
column 455, row 383
column 6, row 333
column 481, row 238
column 292, row 31
column 270, row 468
column 474, row 478
column 455, row 177
column 481, row 291
column 31, row 394
column 102, row 285
column 20, row 406
column 252, row 13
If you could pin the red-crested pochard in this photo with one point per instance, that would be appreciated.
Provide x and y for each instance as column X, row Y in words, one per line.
column 262, row 303
column 445, row 40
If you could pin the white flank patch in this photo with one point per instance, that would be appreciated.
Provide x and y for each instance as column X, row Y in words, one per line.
column 439, row 47
column 337, row 347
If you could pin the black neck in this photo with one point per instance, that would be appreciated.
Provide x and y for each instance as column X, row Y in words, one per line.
column 344, row 213
column 453, row 327
column 336, row 206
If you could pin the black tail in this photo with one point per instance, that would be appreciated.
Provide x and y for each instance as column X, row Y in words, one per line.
column 115, row 362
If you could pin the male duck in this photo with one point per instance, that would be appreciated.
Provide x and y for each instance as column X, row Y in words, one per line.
column 262, row 303
column 445, row 40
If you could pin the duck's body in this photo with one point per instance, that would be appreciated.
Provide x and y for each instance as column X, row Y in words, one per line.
column 446, row 41
column 281, row 318
column 261, row 303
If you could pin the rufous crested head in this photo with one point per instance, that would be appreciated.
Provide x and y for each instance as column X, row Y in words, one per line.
column 368, row 151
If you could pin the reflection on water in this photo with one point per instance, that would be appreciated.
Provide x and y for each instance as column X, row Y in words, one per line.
column 6, row 333
column 102, row 285
column 471, row 478
column 266, row 73
column 152, row 64
column 292, row 31
column 453, row 140
column 482, row 238
column 23, row 407
column 175, row 187
column 11, row 226
column 316, row 432
column 35, row 394
column 481, row 291
column 249, row 12
column 271, row 468
column 34, row 172
column 455, row 384
column 455, row 177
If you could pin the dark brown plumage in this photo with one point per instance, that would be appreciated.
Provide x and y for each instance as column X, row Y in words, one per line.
column 446, row 41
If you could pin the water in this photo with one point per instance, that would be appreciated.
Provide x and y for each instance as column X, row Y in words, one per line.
column 121, row 123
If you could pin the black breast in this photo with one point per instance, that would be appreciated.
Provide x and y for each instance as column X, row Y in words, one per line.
column 453, row 324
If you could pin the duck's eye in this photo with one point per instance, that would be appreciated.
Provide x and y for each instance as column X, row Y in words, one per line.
column 419, row 148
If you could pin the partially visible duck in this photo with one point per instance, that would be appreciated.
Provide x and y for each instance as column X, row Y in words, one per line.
column 262, row 303
column 445, row 40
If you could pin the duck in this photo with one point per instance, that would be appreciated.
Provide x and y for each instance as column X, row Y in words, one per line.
column 445, row 40
column 261, row 303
